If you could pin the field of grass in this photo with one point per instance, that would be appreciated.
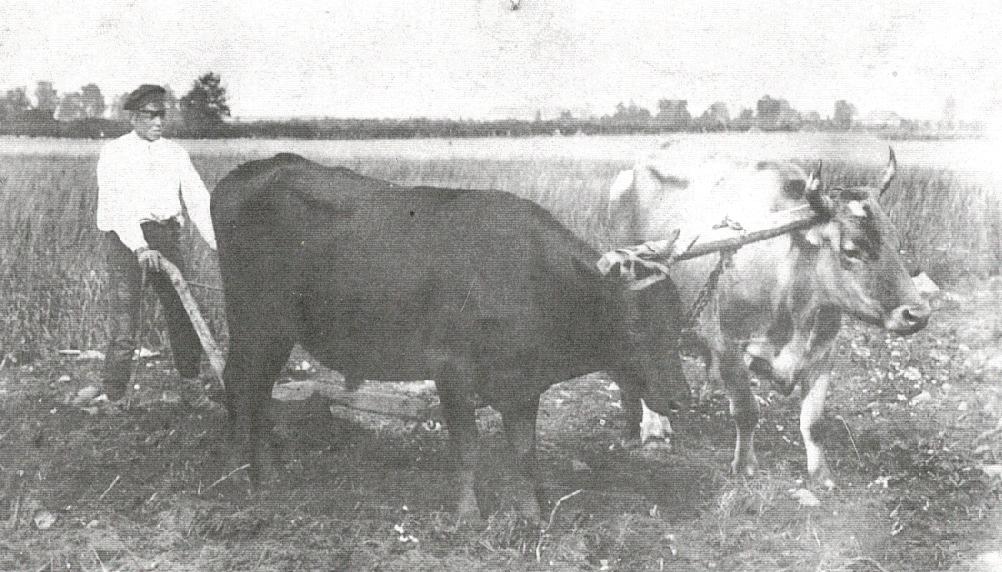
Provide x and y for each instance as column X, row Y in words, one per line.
column 52, row 277
column 137, row 486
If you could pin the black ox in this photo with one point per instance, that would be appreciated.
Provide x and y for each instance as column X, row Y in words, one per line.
column 486, row 293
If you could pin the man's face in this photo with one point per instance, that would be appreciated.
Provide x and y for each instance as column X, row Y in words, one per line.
column 149, row 122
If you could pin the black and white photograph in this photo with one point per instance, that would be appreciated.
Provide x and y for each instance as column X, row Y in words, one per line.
column 481, row 285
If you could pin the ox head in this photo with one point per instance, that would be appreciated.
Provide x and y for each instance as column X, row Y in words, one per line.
column 650, row 364
column 855, row 254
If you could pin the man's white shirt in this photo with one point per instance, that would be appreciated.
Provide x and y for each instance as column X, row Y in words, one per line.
column 140, row 180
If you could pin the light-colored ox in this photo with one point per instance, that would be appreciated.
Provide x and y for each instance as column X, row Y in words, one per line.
column 778, row 307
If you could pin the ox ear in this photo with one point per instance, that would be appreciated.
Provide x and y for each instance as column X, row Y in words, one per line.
column 623, row 183
column 889, row 171
column 619, row 210
column 814, row 179
column 816, row 196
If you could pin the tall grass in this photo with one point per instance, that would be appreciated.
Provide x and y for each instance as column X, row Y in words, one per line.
column 52, row 279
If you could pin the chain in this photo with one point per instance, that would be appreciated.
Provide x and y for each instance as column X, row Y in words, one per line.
column 687, row 340
column 687, row 334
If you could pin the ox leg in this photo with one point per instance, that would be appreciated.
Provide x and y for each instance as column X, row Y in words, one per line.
column 629, row 397
column 251, row 369
column 744, row 411
column 461, row 421
column 812, row 407
column 713, row 381
column 650, row 421
column 520, row 430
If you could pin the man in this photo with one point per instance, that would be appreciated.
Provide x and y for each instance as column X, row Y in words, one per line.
column 142, row 180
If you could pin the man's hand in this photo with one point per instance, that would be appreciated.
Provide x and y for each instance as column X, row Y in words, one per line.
column 149, row 259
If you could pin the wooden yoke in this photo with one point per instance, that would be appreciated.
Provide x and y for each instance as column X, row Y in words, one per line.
column 729, row 238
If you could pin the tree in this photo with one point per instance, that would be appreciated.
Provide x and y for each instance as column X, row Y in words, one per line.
column 638, row 112
column 46, row 97
column 170, row 101
column 631, row 113
column 949, row 120
column 16, row 101
column 117, row 111
column 744, row 121
column 674, row 113
column 776, row 113
column 715, row 118
column 71, row 107
column 92, row 101
column 844, row 112
column 767, row 112
column 204, row 106
column 32, row 122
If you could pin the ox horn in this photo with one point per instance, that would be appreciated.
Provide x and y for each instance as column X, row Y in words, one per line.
column 889, row 172
column 814, row 179
column 816, row 197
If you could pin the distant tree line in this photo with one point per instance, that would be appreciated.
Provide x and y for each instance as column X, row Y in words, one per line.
column 203, row 111
column 199, row 113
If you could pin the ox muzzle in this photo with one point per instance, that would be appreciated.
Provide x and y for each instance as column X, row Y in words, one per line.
column 908, row 318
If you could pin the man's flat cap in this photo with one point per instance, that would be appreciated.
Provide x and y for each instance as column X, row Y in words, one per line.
column 144, row 96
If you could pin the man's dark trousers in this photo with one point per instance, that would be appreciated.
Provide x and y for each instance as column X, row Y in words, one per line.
column 125, row 296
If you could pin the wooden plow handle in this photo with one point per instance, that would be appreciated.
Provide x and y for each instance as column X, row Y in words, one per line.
column 201, row 328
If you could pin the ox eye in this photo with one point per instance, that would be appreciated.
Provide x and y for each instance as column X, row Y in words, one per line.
column 852, row 250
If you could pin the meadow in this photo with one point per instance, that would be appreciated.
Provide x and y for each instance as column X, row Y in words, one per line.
column 139, row 486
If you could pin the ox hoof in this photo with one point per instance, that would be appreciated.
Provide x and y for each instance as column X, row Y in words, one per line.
column 471, row 520
column 470, row 517
column 707, row 393
column 467, row 511
column 823, row 478
column 744, row 467
column 629, row 443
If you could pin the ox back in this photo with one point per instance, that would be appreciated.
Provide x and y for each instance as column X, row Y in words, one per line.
column 486, row 293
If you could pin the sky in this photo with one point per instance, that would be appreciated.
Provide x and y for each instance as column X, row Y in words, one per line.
column 478, row 59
